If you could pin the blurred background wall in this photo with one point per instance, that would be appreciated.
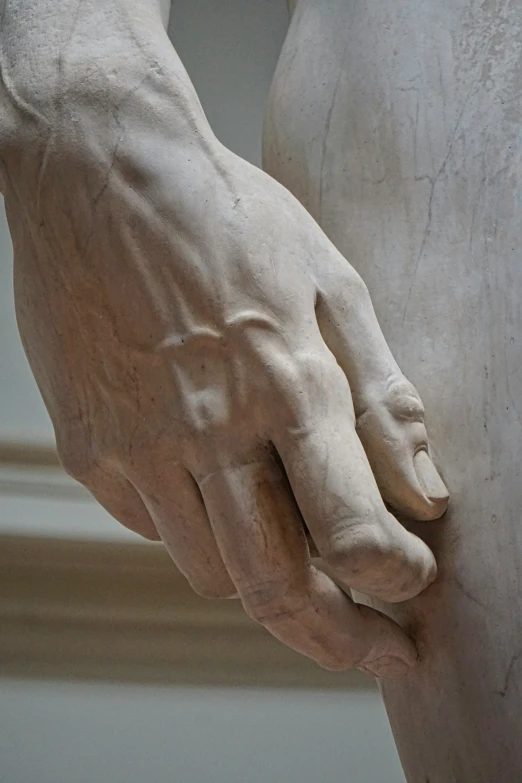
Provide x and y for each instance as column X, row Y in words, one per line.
column 87, row 732
column 77, row 733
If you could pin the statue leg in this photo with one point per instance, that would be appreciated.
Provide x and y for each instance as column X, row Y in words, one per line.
column 398, row 124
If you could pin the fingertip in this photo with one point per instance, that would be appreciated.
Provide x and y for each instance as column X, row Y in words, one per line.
column 414, row 488
column 388, row 667
column 427, row 567
column 421, row 570
column 432, row 570
column 407, row 479
column 394, row 654
column 435, row 491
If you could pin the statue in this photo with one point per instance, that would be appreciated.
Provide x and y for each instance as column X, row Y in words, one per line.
column 212, row 363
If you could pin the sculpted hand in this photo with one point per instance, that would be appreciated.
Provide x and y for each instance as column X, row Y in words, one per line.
column 216, row 375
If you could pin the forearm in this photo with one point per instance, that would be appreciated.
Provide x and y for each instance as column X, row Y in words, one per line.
column 65, row 64
column 35, row 34
column 103, row 95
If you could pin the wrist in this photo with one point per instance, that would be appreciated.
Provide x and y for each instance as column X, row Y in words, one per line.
column 58, row 58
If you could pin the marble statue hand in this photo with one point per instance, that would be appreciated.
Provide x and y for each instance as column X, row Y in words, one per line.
column 213, row 366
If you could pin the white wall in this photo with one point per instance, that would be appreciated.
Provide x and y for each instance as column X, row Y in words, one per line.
column 74, row 733
column 230, row 48
column 84, row 733
column 22, row 413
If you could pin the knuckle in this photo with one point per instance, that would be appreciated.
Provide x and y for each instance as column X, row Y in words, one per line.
column 334, row 660
column 314, row 368
column 208, row 409
column 78, row 462
column 391, row 414
column 403, row 401
column 212, row 588
column 344, row 286
column 277, row 364
column 357, row 548
column 273, row 602
column 349, row 280
column 150, row 534
column 311, row 381
column 372, row 559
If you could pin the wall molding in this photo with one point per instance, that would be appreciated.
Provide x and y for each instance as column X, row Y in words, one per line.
column 118, row 611
column 26, row 453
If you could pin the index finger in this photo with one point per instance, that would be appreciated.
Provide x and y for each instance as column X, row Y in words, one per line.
column 337, row 494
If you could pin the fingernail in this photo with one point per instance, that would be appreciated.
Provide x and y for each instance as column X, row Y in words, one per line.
column 389, row 666
column 429, row 479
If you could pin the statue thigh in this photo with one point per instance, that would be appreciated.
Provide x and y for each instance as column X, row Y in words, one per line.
column 398, row 125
